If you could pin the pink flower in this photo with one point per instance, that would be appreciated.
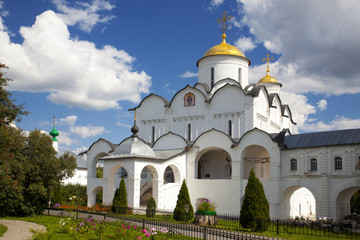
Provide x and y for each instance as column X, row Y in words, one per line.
column 128, row 227
column 144, row 231
column 139, row 237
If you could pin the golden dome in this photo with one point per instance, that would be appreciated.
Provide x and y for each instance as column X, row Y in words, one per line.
column 268, row 79
column 224, row 49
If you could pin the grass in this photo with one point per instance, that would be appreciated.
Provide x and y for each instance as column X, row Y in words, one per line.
column 2, row 229
column 112, row 228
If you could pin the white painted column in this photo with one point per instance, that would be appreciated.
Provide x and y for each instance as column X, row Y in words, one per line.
column 133, row 192
column 157, row 192
column 108, row 190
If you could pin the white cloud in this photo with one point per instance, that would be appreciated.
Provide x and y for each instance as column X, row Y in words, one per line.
column 245, row 44
column 322, row 105
column 120, row 124
column 85, row 15
column 65, row 138
column 87, row 131
column 74, row 72
column 69, row 120
column 188, row 74
column 322, row 51
column 215, row 3
column 340, row 122
column 3, row 12
column 80, row 150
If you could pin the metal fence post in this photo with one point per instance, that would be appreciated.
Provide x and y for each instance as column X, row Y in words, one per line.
column 143, row 223
column 205, row 233
column 277, row 226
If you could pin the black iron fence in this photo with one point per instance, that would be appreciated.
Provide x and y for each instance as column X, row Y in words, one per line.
column 228, row 225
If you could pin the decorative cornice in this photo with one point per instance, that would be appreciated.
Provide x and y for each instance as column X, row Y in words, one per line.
column 150, row 121
column 232, row 114
column 186, row 118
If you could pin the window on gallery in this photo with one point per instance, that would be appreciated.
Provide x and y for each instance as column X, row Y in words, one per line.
column 189, row 132
column 153, row 134
column 338, row 163
column 212, row 77
column 313, row 164
column 230, row 128
column 293, row 165
column 239, row 75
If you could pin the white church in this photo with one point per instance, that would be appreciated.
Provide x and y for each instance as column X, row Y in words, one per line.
column 213, row 133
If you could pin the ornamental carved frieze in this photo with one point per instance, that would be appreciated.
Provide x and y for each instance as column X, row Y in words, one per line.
column 187, row 118
column 232, row 114
column 152, row 121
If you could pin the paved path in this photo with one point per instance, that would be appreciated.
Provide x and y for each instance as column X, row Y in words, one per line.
column 20, row 230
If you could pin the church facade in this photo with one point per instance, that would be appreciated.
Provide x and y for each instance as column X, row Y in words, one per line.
column 213, row 133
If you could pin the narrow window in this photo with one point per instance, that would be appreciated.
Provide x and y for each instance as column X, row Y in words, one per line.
column 338, row 163
column 293, row 165
column 239, row 75
column 212, row 77
column 313, row 164
column 153, row 134
column 189, row 132
column 230, row 128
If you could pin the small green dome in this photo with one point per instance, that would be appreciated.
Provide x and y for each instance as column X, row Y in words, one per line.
column 54, row 134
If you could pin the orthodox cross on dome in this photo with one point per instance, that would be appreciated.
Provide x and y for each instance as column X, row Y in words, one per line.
column 224, row 22
column 267, row 59
column 53, row 132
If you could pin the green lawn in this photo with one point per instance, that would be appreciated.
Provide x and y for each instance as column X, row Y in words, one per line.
column 2, row 229
column 116, row 230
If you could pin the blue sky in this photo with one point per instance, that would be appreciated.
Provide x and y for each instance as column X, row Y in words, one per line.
column 88, row 62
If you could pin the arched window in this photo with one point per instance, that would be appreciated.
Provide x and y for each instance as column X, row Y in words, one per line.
column 313, row 164
column 230, row 128
column 293, row 165
column 239, row 77
column 153, row 134
column 169, row 175
column 189, row 132
column 338, row 163
column 212, row 77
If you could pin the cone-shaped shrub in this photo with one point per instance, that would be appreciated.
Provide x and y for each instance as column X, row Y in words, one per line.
column 151, row 208
column 119, row 204
column 183, row 198
column 254, row 211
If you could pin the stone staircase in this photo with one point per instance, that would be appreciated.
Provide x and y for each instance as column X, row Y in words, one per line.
column 144, row 199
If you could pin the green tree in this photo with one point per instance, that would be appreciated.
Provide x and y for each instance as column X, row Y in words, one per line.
column 29, row 171
column 183, row 199
column 151, row 208
column 9, row 111
column 355, row 203
column 254, row 212
column 119, row 204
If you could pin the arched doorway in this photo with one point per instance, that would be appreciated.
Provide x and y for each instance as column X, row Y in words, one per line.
column 148, row 185
column 214, row 163
column 256, row 157
column 298, row 201
column 120, row 173
column 97, row 166
column 97, row 194
column 343, row 202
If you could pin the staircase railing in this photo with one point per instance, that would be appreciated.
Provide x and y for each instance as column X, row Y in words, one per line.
column 145, row 187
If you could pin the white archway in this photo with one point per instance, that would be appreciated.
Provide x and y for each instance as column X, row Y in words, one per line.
column 258, row 158
column 213, row 163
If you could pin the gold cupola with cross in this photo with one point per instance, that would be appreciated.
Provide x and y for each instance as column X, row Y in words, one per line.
column 271, row 83
column 223, row 61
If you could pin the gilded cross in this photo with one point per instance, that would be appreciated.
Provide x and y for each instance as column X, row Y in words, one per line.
column 224, row 22
column 267, row 59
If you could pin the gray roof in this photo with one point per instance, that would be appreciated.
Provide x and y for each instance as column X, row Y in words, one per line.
column 319, row 139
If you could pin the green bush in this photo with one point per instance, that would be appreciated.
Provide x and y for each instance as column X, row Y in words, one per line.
column 119, row 204
column 151, row 208
column 254, row 211
column 183, row 198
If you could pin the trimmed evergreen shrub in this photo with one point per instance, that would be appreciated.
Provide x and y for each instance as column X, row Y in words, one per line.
column 119, row 204
column 254, row 211
column 183, row 198
column 151, row 208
